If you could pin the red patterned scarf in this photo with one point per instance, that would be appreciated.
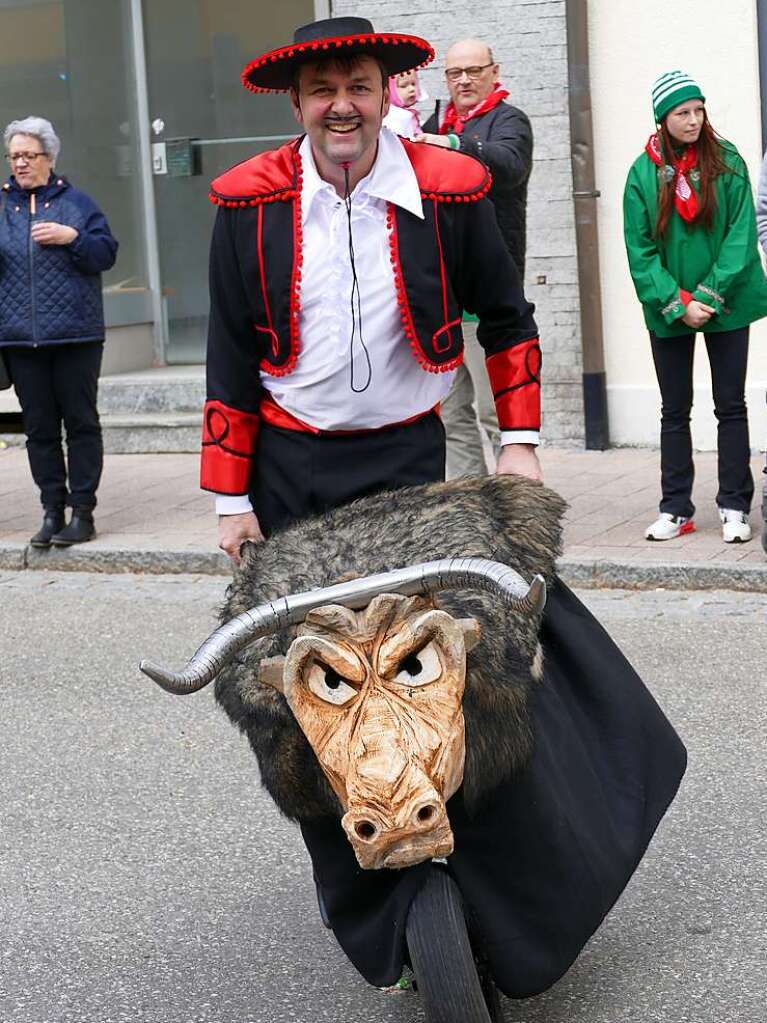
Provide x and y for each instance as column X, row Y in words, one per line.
column 685, row 199
column 454, row 122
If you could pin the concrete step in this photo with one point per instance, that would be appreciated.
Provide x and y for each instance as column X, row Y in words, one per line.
column 143, row 412
column 172, row 389
column 152, row 411
column 151, row 432
column 140, row 433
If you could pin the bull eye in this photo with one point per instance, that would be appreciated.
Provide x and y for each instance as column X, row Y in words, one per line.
column 419, row 668
column 412, row 665
column 328, row 685
column 332, row 678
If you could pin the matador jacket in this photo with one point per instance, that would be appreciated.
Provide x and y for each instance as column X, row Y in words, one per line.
column 453, row 259
column 720, row 267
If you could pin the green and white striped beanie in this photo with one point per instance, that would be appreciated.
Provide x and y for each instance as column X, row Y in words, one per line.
column 672, row 89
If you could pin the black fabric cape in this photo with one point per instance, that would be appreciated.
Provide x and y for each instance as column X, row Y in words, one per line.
column 542, row 862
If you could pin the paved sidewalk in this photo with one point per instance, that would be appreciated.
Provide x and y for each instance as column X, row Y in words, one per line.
column 152, row 518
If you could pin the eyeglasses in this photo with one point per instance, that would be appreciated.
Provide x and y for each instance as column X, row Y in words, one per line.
column 26, row 157
column 453, row 74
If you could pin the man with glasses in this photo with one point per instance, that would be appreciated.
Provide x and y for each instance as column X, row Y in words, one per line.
column 477, row 121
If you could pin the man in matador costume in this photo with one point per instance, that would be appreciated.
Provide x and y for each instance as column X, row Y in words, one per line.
column 341, row 265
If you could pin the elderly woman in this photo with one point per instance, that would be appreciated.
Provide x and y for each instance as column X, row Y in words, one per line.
column 54, row 245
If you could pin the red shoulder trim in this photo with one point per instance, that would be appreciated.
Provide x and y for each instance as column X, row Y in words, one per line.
column 446, row 175
column 268, row 177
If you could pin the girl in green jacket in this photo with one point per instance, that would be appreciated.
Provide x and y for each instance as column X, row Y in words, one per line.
column 691, row 240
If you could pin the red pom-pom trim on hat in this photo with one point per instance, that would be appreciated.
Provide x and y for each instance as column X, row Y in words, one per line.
column 356, row 40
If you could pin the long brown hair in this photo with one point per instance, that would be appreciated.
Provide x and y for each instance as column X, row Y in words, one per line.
column 710, row 163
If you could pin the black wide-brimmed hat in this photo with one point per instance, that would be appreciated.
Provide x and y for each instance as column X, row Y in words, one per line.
column 274, row 71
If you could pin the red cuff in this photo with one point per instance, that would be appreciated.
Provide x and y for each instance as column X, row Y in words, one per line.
column 228, row 445
column 515, row 375
column 685, row 297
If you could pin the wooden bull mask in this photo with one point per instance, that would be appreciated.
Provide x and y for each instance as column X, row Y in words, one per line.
column 375, row 679
column 378, row 695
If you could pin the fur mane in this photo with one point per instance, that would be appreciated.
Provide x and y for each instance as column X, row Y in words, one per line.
column 503, row 518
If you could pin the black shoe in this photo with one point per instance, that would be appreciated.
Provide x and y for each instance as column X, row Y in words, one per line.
column 79, row 530
column 53, row 521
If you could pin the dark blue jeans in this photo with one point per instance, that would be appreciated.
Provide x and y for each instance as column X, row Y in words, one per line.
column 58, row 384
column 727, row 356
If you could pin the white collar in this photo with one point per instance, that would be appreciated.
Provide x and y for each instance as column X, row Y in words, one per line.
column 391, row 177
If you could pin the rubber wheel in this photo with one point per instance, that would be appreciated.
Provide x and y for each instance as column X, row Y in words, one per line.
column 442, row 957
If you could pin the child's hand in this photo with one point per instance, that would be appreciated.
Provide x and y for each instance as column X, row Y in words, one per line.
column 433, row 140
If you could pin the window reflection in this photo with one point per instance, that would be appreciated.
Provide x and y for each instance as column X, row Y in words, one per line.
column 196, row 50
column 70, row 61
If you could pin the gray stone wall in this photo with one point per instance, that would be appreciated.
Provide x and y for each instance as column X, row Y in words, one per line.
column 529, row 41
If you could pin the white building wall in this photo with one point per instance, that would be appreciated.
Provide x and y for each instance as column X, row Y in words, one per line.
column 630, row 45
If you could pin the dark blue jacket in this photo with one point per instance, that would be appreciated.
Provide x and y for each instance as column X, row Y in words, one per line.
column 51, row 294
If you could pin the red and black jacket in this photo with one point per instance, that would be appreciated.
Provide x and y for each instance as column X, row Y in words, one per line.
column 452, row 260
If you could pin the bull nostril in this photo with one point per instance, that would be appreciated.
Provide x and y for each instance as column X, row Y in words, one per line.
column 426, row 813
column 365, row 830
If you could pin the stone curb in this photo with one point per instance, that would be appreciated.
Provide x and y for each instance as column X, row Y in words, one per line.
column 107, row 560
column 12, row 556
column 709, row 575
column 613, row 574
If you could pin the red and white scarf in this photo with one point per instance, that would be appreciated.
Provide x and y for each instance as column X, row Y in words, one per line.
column 453, row 122
column 685, row 199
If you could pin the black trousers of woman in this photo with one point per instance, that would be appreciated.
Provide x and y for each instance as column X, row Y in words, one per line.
column 55, row 384
column 728, row 357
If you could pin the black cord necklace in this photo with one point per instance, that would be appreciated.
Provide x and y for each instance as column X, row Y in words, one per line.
column 356, row 304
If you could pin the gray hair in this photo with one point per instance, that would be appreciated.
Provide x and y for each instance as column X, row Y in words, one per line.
column 40, row 129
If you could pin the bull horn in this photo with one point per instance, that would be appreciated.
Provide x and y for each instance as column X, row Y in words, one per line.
column 430, row 577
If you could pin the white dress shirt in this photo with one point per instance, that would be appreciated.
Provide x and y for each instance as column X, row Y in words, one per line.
column 321, row 389
column 337, row 385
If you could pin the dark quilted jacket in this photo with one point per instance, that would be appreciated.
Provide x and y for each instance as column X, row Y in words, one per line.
column 51, row 294
column 503, row 139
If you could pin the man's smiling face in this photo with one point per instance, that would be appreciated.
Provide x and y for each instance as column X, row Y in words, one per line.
column 341, row 108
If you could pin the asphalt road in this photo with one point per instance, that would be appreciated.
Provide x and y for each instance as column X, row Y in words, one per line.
column 145, row 877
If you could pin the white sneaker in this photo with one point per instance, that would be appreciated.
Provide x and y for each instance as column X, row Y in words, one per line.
column 667, row 527
column 735, row 527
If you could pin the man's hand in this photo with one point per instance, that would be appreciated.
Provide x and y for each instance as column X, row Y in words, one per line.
column 234, row 530
column 697, row 314
column 434, row 140
column 45, row 232
column 519, row 460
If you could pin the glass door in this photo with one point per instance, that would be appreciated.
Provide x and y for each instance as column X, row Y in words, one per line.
column 204, row 121
column 70, row 62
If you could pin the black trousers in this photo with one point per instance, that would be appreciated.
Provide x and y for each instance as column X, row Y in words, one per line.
column 302, row 474
column 728, row 357
column 55, row 384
